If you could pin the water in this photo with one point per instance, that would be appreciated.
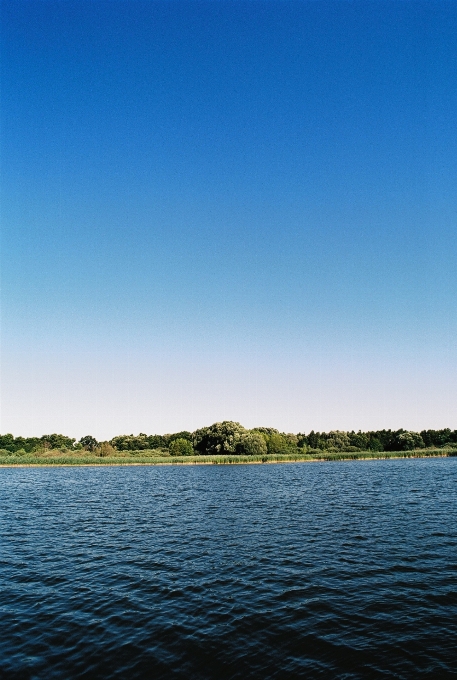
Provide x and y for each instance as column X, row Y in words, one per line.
column 323, row 570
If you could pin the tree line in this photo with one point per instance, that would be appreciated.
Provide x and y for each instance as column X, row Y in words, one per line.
column 229, row 437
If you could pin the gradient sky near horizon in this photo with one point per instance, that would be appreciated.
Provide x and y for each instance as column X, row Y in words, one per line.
column 228, row 211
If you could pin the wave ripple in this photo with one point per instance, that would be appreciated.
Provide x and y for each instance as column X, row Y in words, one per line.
column 326, row 570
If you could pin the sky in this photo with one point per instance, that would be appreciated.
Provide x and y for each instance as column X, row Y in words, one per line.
column 228, row 210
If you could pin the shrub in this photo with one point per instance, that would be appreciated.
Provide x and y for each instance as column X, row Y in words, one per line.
column 105, row 449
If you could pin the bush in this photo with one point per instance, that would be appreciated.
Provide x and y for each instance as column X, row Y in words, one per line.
column 105, row 449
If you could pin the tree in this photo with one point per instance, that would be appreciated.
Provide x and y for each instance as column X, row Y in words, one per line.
column 409, row 441
column 181, row 447
column 219, row 438
column 140, row 442
column 278, row 443
column 251, row 444
column 177, row 435
column 315, row 440
column 359, row 439
column 6, row 440
column 374, row 444
column 57, row 441
column 439, row 437
column 88, row 442
column 266, row 430
column 337, row 439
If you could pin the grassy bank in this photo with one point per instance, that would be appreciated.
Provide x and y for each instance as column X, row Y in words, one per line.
column 143, row 458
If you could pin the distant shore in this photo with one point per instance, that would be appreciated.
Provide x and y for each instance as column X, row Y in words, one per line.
column 93, row 461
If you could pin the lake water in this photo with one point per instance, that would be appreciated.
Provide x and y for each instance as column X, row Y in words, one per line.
column 321, row 570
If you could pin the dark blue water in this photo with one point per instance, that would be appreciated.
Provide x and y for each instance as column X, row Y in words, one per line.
column 322, row 570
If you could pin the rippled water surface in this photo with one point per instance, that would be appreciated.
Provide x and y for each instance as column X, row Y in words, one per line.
column 320, row 570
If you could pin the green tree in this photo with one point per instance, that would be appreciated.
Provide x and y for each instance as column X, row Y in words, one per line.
column 177, row 435
column 140, row 442
column 7, row 442
column 251, row 444
column 374, row 444
column 181, row 447
column 410, row 440
column 337, row 439
column 280, row 443
column 88, row 442
column 266, row 430
column 57, row 441
column 218, row 438
column 359, row 439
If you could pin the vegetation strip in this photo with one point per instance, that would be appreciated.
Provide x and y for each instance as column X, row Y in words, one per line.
column 69, row 460
column 225, row 443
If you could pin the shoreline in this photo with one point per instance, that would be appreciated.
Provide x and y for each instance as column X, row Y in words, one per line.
column 362, row 456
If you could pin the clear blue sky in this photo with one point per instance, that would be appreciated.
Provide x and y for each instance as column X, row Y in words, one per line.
column 228, row 210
